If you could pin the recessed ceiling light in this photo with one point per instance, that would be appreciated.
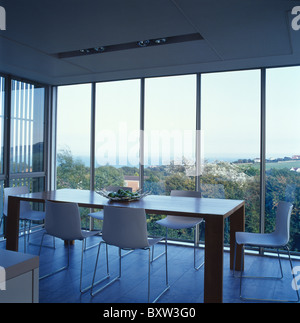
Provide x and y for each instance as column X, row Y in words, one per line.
column 143, row 43
column 160, row 41
column 99, row 49
column 131, row 45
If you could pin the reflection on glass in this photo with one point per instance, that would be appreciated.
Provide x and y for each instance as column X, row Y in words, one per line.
column 282, row 146
column 27, row 128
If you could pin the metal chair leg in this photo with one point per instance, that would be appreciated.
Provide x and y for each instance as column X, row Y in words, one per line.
column 149, row 275
column 60, row 269
column 160, row 255
column 107, row 276
column 241, row 277
column 83, row 290
column 195, row 248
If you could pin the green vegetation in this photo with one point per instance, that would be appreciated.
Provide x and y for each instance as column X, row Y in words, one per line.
column 220, row 179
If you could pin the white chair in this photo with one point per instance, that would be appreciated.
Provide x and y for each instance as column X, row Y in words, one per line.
column 277, row 239
column 100, row 214
column 181, row 222
column 26, row 212
column 63, row 221
column 126, row 228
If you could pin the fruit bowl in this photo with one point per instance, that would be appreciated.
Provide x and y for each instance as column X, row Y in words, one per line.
column 123, row 195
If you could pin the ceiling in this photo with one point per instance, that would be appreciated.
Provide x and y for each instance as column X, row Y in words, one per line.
column 236, row 35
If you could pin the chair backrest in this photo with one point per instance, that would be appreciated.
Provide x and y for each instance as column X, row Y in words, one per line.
column 283, row 219
column 116, row 188
column 16, row 190
column 125, row 227
column 185, row 193
column 62, row 220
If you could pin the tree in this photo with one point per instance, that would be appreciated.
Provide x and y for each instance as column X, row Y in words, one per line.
column 71, row 173
column 108, row 176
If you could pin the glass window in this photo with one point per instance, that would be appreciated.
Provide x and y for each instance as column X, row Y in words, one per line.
column 117, row 134
column 73, row 136
column 230, row 106
column 27, row 128
column 282, row 146
column 170, row 134
column 2, row 104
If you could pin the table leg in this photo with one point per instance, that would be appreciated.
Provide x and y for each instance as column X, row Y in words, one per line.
column 237, row 224
column 12, row 227
column 213, row 272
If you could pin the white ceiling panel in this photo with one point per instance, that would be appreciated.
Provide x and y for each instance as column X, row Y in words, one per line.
column 236, row 34
column 241, row 29
column 65, row 25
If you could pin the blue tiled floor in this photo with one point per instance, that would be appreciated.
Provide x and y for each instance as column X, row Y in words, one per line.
column 186, row 284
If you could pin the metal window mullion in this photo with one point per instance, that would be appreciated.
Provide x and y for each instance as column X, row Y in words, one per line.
column 263, row 152
column 142, row 133
column 52, row 139
column 7, row 129
column 198, row 133
column 30, row 127
column 46, row 151
column 92, row 145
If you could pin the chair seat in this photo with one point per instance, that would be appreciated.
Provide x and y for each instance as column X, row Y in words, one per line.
column 263, row 240
column 97, row 215
column 87, row 233
column 33, row 215
column 179, row 222
column 153, row 241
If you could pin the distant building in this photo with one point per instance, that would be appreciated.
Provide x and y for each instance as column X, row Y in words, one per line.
column 295, row 169
column 296, row 157
column 133, row 182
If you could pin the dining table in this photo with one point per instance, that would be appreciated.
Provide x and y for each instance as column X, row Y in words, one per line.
column 213, row 211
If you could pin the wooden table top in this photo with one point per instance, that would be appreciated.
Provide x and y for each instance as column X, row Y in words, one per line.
column 155, row 204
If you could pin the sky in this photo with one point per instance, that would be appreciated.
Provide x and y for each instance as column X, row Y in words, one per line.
column 230, row 117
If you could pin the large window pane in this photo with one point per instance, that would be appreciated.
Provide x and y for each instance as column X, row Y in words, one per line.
column 27, row 128
column 170, row 134
column 282, row 146
column 230, row 104
column 2, row 102
column 73, row 136
column 117, row 134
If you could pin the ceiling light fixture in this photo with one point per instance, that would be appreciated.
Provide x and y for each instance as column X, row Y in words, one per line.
column 99, row 49
column 144, row 43
column 131, row 45
column 160, row 41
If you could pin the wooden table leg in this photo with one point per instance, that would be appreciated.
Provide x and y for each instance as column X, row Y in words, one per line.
column 237, row 224
column 213, row 272
column 12, row 227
